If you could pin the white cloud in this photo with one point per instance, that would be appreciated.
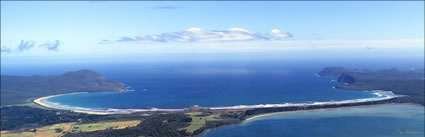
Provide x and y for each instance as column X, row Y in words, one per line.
column 276, row 33
column 199, row 35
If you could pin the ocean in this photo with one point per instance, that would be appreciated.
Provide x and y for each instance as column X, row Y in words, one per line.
column 213, row 85
column 176, row 85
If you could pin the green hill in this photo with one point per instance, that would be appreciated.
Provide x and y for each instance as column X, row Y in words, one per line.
column 20, row 89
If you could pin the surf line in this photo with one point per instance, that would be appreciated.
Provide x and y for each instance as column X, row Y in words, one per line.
column 381, row 95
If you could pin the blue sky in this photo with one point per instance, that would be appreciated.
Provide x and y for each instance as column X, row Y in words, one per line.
column 55, row 31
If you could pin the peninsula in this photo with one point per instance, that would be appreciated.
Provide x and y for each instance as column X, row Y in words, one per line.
column 406, row 84
column 409, row 82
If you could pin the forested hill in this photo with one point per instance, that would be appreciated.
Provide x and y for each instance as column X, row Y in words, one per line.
column 20, row 89
column 404, row 82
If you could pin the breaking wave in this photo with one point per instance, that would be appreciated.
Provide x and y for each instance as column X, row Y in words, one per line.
column 380, row 95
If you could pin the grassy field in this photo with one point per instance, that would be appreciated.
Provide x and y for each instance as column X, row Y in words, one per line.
column 60, row 129
column 198, row 121
column 47, row 131
column 193, row 113
column 104, row 125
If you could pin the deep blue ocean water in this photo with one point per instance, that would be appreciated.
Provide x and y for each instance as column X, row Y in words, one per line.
column 372, row 121
column 212, row 85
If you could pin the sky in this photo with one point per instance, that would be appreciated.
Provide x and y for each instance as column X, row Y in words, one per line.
column 131, row 31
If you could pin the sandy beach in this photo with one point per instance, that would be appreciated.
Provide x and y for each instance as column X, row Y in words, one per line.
column 42, row 102
column 96, row 111
column 381, row 95
column 268, row 114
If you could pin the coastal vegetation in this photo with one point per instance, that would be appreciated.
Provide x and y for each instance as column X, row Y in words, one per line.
column 28, row 121
column 104, row 125
column 174, row 124
column 46, row 131
column 18, row 117
column 198, row 120
column 71, row 127
column 160, row 125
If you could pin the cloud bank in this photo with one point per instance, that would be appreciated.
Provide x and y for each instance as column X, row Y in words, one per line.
column 26, row 45
column 200, row 35
column 52, row 46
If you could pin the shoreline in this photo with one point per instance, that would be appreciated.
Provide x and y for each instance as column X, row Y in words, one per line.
column 323, row 109
column 381, row 95
column 42, row 101
column 357, row 103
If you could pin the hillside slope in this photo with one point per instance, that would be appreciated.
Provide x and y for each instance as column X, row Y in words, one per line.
column 19, row 89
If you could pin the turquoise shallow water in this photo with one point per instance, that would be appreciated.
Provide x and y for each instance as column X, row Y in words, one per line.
column 371, row 121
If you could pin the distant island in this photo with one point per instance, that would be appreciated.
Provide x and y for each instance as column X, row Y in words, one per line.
column 408, row 82
column 34, row 120
column 20, row 89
